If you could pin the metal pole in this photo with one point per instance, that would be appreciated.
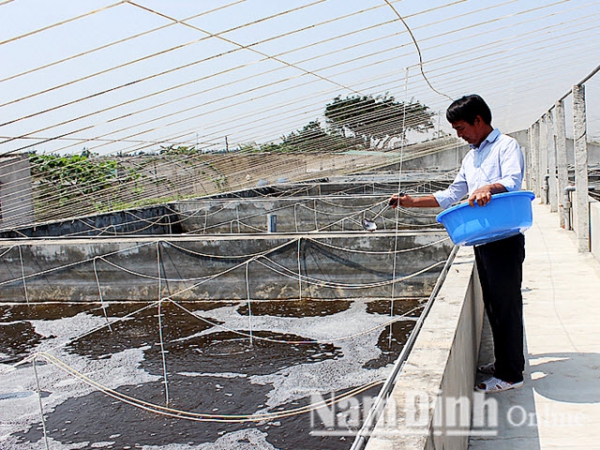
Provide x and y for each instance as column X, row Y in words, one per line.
column 582, row 227
column 561, row 159
column 582, row 82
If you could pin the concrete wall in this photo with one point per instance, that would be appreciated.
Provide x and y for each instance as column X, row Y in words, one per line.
column 447, row 159
column 344, row 265
column 16, row 198
column 593, row 221
column 152, row 220
column 244, row 170
column 441, row 367
column 593, row 148
column 208, row 174
column 297, row 214
column 299, row 208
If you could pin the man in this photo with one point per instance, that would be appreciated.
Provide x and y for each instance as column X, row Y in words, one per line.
column 494, row 164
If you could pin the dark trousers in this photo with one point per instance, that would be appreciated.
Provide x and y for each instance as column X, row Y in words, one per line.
column 500, row 267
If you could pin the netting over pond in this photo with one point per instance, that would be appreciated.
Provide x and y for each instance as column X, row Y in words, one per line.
column 146, row 301
column 183, row 374
column 224, row 340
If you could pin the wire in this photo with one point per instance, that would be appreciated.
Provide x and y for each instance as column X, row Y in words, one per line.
column 418, row 51
column 63, row 22
column 199, row 417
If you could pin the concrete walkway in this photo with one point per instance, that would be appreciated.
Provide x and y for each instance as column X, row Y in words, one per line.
column 559, row 406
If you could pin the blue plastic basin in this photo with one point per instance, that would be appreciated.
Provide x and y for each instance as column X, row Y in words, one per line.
column 507, row 214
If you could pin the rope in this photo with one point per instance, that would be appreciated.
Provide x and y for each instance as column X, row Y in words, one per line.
column 102, row 302
column 70, row 265
column 39, row 396
column 269, row 263
column 334, row 285
column 114, row 43
column 412, row 36
column 394, row 268
column 201, row 417
column 58, row 24
column 23, row 275
column 533, row 8
column 299, row 271
column 249, row 303
column 163, row 353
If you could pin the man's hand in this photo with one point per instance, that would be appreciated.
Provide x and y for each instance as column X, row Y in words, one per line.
column 396, row 200
column 483, row 195
column 401, row 199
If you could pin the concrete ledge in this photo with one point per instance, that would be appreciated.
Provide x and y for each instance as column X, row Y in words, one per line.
column 439, row 372
column 223, row 267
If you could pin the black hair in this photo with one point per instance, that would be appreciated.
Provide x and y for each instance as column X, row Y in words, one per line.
column 468, row 108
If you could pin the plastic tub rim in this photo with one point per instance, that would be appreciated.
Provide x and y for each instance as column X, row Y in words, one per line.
column 462, row 205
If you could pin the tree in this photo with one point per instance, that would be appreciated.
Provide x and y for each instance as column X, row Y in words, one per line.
column 377, row 118
column 75, row 175
column 311, row 138
column 179, row 150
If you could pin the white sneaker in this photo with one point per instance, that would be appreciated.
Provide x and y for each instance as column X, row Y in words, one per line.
column 493, row 385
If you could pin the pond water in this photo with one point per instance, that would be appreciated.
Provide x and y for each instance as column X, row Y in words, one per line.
column 193, row 375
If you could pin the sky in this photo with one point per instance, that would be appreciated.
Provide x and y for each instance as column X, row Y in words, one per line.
column 130, row 76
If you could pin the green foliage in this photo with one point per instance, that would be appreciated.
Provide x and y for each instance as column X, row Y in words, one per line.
column 366, row 118
column 179, row 150
column 218, row 178
column 377, row 117
column 311, row 138
column 249, row 148
column 74, row 175
column 219, row 181
column 88, row 182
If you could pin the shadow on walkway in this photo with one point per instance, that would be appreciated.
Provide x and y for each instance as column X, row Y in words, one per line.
column 566, row 377
column 516, row 425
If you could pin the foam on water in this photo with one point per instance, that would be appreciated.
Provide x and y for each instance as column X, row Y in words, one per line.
column 354, row 333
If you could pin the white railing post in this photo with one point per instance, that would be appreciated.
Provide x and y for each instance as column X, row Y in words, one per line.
column 535, row 159
column 551, row 145
column 528, row 153
column 582, row 225
column 543, row 157
column 561, row 159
